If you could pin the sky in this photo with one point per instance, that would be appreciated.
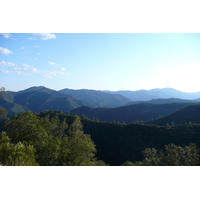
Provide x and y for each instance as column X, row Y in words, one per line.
column 100, row 61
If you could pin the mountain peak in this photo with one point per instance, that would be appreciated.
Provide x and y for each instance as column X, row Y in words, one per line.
column 34, row 88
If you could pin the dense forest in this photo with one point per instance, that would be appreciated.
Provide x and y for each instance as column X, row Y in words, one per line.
column 57, row 138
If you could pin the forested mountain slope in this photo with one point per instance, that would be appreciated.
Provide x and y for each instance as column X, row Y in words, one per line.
column 129, row 114
column 189, row 114
column 118, row 143
column 38, row 99
column 55, row 138
column 12, row 108
column 98, row 98
column 164, row 101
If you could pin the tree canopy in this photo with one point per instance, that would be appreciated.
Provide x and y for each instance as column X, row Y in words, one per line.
column 52, row 140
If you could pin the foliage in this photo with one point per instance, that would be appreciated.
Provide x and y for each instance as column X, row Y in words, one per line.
column 173, row 155
column 2, row 91
column 128, row 163
column 54, row 138
column 3, row 112
column 81, row 147
column 185, row 115
column 55, row 142
column 16, row 154
column 117, row 143
column 26, row 127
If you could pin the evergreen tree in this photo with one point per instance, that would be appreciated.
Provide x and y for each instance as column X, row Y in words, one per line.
column 81, row 147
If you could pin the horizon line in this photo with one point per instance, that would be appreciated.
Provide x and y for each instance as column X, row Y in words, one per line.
column 102, row 90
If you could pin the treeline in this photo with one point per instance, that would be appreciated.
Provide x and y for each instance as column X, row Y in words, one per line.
column 117, row 143
column 54, row 138
column 29, row 139
column 132, row 113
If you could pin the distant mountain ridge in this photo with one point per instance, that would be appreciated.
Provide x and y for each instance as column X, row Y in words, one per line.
column 130, row 114
column 98, row 98
column 146, row 95
column 164, row 101
column 40, row 98
column 37, row 99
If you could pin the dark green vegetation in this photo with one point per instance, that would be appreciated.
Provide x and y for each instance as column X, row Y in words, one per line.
column 48, row 141
column 117, row 143
column 172, row 155
column 128, row 114
column 47, row 138
column 55, row 138
column 189, row 114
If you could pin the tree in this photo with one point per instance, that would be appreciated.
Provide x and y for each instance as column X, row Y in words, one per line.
column 30, row 130
column 151, row 157
column 81, row 147
column 3, row 112
column 181, row 156
column 2, row 91
column 16, row 154
column 54, row 125
column 128, row 163
column 173, row 155
column 55, row 142
column 26, row 127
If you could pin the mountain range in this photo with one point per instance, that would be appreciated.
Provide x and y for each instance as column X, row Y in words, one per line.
column 98, row 98
column 122, row 106
column 157, row 93
column 38, row 99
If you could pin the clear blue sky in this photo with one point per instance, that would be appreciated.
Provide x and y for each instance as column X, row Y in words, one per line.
column 100, row 61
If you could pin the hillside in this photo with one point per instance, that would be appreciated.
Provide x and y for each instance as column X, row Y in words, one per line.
column 185, row 115
column 38, row 99
column 118, row 143
column 12, row 108
column 129, row 114
column 164, row 101
column 98, row 98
